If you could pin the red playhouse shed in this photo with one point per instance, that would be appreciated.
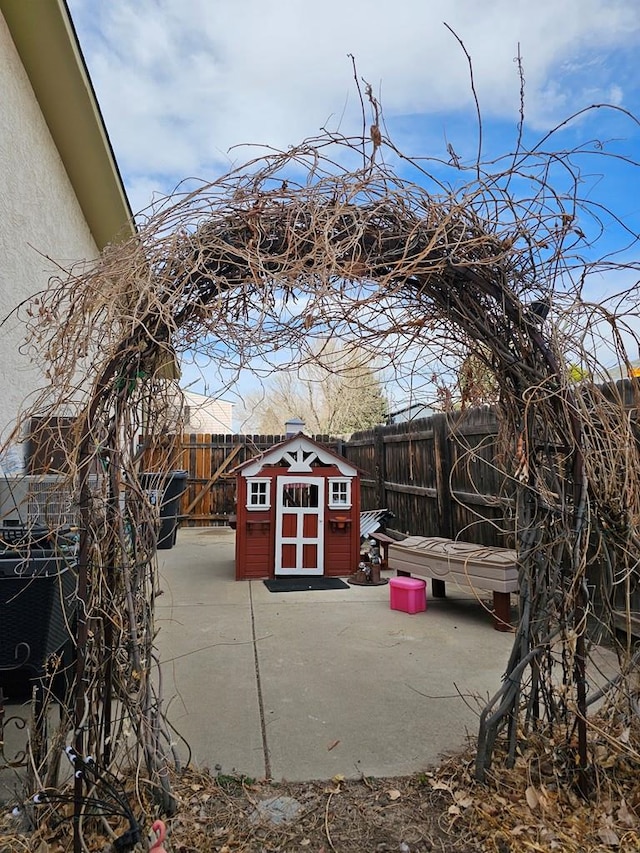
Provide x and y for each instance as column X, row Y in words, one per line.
column 298, row 512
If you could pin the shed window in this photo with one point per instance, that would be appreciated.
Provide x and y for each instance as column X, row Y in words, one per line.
column 300, row 495
column 259, row 493
column 339, row 493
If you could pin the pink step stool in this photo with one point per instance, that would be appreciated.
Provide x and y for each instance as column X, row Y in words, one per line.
column 408, row 594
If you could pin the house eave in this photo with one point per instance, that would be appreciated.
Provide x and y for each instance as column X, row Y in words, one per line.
column 47, row 44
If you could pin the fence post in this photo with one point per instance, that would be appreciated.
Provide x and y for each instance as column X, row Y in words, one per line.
column 442, row 456
column 380, row 466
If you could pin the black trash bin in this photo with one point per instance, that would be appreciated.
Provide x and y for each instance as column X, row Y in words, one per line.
column 165, row 490
column 37, row 610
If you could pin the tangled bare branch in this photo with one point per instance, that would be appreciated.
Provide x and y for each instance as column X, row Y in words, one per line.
column 286, row 254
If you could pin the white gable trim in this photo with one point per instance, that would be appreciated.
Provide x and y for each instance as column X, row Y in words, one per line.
column 298, row 454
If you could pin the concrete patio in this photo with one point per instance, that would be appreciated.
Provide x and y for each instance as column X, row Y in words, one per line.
column 305, row 685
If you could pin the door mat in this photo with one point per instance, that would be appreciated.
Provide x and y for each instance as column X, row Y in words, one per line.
column 297, row 584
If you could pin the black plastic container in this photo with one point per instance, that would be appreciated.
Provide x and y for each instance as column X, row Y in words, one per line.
column 166, row 490
column 37, row 610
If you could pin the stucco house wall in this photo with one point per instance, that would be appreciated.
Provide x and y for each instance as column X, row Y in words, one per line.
column 52, row 214
column 41, row 222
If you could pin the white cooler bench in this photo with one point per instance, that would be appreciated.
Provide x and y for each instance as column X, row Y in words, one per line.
column 470, row 566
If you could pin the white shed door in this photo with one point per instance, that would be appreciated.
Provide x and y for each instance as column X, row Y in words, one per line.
column 300, row 526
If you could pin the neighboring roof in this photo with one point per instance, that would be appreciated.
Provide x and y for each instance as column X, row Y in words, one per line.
column 48, row 47
column 197, row 397
column 414, row 411
column 294, row 451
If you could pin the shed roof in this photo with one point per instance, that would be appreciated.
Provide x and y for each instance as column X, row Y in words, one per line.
column 299, row 452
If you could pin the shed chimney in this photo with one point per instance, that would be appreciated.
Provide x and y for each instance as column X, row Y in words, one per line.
column 293, row 426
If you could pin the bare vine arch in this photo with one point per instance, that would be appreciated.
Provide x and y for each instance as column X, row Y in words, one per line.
column 284, row 253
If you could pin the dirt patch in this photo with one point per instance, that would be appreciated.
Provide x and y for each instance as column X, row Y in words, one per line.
column 533, row 806
column 536, row 805
column 406, row 814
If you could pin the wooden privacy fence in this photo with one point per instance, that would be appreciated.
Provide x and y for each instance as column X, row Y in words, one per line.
column 438, row 476
column 208, row 459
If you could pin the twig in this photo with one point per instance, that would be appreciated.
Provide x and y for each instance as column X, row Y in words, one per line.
column 326, row 822
column 475, row 96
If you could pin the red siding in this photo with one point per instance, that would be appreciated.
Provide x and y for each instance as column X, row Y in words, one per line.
column 342, row 536
column 254, row 534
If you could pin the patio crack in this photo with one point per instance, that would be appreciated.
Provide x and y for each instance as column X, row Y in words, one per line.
column 263, row 726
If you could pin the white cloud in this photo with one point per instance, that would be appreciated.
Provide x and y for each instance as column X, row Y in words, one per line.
column 182, row 81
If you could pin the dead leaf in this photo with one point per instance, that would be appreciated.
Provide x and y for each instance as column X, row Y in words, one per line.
column 453, row 810
column 532, row 797
column 339, row 777
column 625, row 816
column 439, row 786
column 394, row 794
column 609, row 837
column 463, row 799
column 600, row 753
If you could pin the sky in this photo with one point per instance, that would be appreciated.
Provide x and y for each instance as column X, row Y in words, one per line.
column 185, row 85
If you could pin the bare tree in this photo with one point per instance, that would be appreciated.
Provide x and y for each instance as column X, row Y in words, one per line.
column 336, row 396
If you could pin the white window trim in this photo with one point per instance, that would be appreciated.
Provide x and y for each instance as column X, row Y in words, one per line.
column 347, row 504
column 256, row 507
